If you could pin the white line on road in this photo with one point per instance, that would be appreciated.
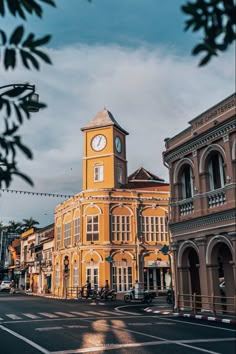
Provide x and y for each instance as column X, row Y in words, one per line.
column 49, row 315
column 96, row 313
column 30, row 315
column 26, row 340
column 80, row 313
column 41, row 329
column 113, row 313
column 126, row 312
column 65, row 314
column 13, row 316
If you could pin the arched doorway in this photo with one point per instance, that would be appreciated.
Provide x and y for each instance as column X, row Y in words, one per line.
column 223, row 281
column 189, row 277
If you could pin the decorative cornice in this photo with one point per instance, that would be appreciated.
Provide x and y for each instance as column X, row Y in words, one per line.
column 194, row 144
column 204, row 221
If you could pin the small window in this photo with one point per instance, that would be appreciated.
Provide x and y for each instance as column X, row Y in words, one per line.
column 187, row 182
column 92, row 229
column 98, row 173
column 216, row 172
column 120, row 174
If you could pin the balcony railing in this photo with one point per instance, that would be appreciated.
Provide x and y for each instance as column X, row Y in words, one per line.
column 216, row 198
column 186, row 207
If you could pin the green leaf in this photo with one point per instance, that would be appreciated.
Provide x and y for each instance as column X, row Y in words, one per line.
column 205, row 60
column 18, row 114
column 9, row 58
column 199, row 48
column 17, row 35
column 24, row 177
column 29, row 40
column 28, row 58
column 42, row 56
column 49, row 2
column 4, row 37
column 23, row 148
column 42, row 41
column 2, row 9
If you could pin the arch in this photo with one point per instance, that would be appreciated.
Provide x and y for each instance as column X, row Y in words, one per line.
column 121, row 251
column 179, row 165
column 216, row 239
column 121, row 206
column 76, row 213
column 92, row 205
column 206, row 152
column 157, row 208
column 183, row 247
column 92, row 252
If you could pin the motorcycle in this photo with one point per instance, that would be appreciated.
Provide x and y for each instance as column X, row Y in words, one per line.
column 106, row 295
column 133, row 295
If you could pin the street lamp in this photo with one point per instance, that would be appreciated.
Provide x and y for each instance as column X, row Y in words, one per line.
column 31, row 98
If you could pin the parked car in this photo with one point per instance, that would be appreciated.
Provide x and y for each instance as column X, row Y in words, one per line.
column 5, row 285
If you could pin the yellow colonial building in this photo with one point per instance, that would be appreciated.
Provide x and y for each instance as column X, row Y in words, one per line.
column 115, row 227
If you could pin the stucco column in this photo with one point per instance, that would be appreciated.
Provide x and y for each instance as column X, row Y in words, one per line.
column 201, row 242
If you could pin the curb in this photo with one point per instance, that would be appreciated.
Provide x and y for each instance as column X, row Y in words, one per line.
column 190, row 315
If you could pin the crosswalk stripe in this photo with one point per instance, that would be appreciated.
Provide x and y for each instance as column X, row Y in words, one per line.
column 96, row 313
column 30, row 315
column 80, row 313
column 65, row 314
column 113, row 313
column 49, row 315
column 13, row 317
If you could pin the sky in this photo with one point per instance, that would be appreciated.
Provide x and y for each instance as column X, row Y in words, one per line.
column 130, row 56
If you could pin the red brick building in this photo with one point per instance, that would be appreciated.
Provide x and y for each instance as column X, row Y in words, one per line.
column 201, row 161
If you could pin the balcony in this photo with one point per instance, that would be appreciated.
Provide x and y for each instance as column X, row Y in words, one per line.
column 216, row 198
column 186, row 206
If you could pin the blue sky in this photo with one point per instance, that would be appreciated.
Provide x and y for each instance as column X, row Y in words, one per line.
column 131, row 56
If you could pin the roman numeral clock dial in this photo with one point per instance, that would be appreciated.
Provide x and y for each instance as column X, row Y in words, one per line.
column 98, row 142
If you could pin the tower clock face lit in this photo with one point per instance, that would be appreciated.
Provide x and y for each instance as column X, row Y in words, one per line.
column 99, row 142
column 118, row 144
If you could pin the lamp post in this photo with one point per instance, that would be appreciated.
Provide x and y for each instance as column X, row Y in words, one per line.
column 31, row 98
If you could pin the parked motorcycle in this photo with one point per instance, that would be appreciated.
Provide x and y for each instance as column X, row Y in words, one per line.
column 106, row 295
column 144, row 296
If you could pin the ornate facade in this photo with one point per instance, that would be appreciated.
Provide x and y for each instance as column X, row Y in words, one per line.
column 114, row 228
column 201, row 161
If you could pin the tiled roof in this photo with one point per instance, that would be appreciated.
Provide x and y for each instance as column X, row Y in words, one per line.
column 103, row 118
column 143, row 175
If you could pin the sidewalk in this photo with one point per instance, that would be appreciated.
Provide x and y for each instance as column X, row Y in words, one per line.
column 160, row 307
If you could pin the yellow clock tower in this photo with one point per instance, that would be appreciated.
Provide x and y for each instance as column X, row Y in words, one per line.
column 104, row 161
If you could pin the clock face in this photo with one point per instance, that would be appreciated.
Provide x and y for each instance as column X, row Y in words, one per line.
column 118, row 144
column 99, row 142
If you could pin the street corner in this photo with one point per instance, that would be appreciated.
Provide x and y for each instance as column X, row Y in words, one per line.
column 159, row 312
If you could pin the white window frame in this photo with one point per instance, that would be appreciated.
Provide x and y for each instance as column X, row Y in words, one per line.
column 98, row 173
column 121, row 228
column 154, row 228
column 119, row 174
column 58, row 237
column 122, row 277
column 94, row 232
column 183, row 182
column 221, row 173
column 67, row 234
column 92, row 274
column 76, row 230
column 76, row 276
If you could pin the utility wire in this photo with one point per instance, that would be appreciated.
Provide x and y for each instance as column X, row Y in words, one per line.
column 41, row 194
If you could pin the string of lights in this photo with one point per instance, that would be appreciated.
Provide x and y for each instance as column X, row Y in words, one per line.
column 38, row 194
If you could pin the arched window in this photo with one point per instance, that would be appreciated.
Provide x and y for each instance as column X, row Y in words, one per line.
column 187, row 182
column 216, row 171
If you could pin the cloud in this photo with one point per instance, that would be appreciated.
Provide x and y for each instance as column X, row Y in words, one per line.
column 151, row 92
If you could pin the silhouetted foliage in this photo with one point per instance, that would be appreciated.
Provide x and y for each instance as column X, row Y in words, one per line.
column 216, row 19
column 25, row 48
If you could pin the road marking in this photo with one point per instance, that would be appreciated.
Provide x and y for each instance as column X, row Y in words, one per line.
column 41, row 349
column 196, row 324
column 13, row 316
column 41, row 329
column 65, row 314
column 113, row 313
column 49, row 315
column 30, row 315
column 80, row 313
column 96, row 313
column 126, row 312
column 75, row 326
column 150, row 323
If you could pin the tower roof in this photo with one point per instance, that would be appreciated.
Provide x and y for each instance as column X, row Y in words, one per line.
column 103, row 118
column 143, row 175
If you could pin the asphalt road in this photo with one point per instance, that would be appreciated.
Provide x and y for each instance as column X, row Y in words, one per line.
column 38, row 325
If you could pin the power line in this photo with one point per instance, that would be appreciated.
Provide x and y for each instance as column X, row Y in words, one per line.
column 38, row 194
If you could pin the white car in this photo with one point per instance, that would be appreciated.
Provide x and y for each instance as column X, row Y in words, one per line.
column 5, row 285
